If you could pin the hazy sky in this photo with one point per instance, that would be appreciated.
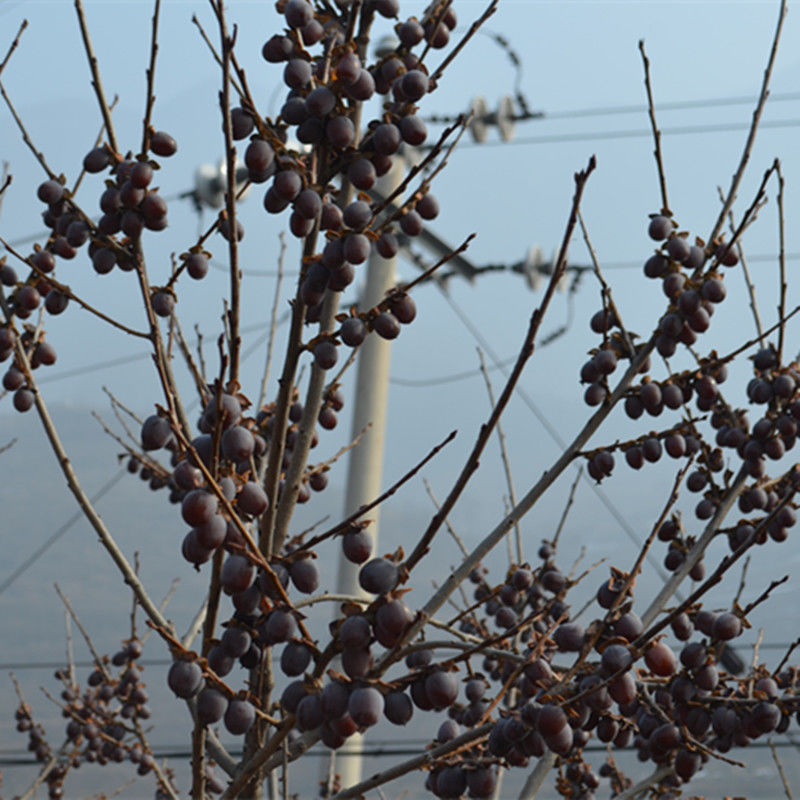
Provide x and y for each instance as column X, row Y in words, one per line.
column 577, row 57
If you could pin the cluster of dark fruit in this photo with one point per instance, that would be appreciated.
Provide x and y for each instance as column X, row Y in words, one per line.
column 102, row 719
column 548, row 708
column 129, row 207
column 350, row 702
column 98, row 717
column 128, row 204
column 385, row 319
column 39, row 352
column 774, row 386
column 40, row 747
column 27, row 295
column 262, row 620
column 156, row 476
column 243, row 444
column 37, row 741
column 774, row 524
column 186, row 680
column 324, row 92
column 679, row 545
column 692, row 299
column 524, row 592
column 691, row 305
column 577, row 779
column 678, row 442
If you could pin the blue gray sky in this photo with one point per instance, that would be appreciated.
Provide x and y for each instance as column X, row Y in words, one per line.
column 577, row 57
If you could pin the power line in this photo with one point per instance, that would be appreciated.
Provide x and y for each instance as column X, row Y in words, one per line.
column 634, row 133
column 51, row 540
column 634, row 108
column 25, row 666
column 451, row 378
column 256, row 273
column 676, row 105
column 141, row 356
column 19, row 666
column 392, row 749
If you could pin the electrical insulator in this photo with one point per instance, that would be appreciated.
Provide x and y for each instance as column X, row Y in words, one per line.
column 210, row 183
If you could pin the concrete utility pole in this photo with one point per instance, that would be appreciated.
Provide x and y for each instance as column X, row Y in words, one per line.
column 365, row 466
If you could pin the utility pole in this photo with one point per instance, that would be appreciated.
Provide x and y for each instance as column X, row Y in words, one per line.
column 365, row 465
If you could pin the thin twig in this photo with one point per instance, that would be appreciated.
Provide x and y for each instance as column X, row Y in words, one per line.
column 141, row 458
column 473, row 29
column 97, row 142
column 749, row 217
column 567, row 507
column 200, row 357
column 742, row 581
column 781, row 262
column 214, row 52
column 786, row 789
column 697, row 550
column 358, row 513
column 503, row 457
column 427, row 757
column 746, row 272
column 748, row 344
column 273, row 322
column 226, row 42
column 162, row 606
column 118, row 405
column 96, row 82
column 5, row 182
column 13, row 45
column 456, row 538
column 83, row 501
column 195, row 626
column 177, row 414
column 98, row 660
column 151, row 73
column 751, row 136
column 662, row 181
column 608, row 298
column 70, row 652
column 25, row 136
column 756, row 646
column 345, row 448
column 645, row 784
column 195, row 371
column 764, row 596
column 792, row 647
